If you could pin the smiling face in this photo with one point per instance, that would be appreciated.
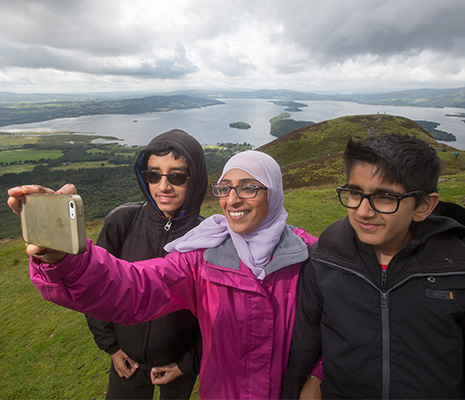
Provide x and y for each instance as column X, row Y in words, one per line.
column 169, row 197
column 387, row 233
column 243, row 215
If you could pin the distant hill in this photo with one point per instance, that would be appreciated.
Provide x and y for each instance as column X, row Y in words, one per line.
column 420, row 98
column 18, row 108
column 25, row 111
column 312, row 156
column 417, row 98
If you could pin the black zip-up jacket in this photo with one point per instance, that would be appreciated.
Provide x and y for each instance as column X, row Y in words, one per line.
column 138, row 231
column 393, row 334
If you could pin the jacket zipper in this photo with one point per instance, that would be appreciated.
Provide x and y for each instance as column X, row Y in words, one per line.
column 385, row 337
column 386, row 362
column 168, row 224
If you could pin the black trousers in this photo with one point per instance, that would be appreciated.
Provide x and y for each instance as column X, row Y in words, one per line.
column 139, row 386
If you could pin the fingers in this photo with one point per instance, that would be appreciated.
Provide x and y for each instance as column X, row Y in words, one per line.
column 17, row 193
column 69, row 188
column 123, row 364
column 46, row 255
column 165, row 374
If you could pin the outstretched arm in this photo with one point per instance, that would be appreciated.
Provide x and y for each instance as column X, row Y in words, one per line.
column 110, row 289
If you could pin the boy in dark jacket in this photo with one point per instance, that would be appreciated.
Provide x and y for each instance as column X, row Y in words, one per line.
column 172, row 175
column 382, row 296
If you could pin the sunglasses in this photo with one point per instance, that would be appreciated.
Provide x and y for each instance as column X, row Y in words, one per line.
column 175, row 178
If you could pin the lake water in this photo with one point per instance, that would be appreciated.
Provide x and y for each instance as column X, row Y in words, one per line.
column 210, row 125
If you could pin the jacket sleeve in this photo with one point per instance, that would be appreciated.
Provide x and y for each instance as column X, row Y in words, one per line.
column 104, row 332
column 190, row 361
column 110, row 289
column 306, row 339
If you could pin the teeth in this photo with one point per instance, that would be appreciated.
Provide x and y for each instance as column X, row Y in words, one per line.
column 237, row 213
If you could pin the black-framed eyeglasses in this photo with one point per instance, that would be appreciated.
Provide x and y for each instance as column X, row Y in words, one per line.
column 243, row 190
column 385, row 203
column 175, row 178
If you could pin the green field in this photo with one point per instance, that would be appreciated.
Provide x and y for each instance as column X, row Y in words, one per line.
column 21, row 155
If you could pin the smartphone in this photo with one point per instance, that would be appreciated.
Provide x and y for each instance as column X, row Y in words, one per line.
column 54, row 221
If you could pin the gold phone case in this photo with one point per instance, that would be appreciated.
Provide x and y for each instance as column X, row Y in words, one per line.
column 54, row 221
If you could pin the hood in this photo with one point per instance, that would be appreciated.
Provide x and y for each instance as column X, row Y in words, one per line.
column 193, row 154
column 451, row 210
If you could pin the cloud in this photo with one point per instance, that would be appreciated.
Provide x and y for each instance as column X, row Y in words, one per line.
column 297, row 44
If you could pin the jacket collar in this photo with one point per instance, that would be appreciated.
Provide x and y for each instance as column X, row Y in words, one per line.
column 291, row 249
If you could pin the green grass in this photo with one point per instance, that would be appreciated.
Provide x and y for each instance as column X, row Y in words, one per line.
column 16, row 168
column 46, row 352
column 21, row 155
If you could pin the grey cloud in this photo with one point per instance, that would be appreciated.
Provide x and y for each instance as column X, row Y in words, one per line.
column 339, row 30
column 169, row 68
column 40, row 57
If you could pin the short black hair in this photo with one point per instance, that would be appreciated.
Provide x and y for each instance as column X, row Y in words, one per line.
column 401, row 159
column 162, row 153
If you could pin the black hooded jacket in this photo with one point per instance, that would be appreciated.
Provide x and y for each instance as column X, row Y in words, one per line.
column 393, row 334
column 138, row 231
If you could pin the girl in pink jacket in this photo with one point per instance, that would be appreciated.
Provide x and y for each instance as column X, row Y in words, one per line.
column 236, row 272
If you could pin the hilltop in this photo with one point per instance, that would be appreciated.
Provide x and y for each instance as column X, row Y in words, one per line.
column 312, row 156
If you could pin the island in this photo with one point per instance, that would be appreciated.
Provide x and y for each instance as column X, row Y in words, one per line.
column 291, row 105
column 239, row 125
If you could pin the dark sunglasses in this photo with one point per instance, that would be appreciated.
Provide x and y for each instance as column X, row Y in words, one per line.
column 175, row 178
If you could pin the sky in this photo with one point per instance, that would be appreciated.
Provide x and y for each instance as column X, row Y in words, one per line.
column 336, row 46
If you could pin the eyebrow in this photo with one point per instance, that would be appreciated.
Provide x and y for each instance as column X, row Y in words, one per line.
column 156, row 168
column 377, row 191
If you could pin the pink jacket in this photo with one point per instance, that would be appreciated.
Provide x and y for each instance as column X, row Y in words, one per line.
column 246, row 323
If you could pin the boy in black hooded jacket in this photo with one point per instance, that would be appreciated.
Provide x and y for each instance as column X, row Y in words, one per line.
column 172, row 176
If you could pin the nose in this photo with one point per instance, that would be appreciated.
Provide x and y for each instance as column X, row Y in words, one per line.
column 164, row 183
column 233, row 198
column 365, row 209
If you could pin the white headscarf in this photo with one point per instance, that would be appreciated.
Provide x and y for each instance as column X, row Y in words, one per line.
column 254, row 248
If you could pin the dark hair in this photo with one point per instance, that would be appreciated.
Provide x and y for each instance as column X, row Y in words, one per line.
column 400, row 159
column 162, row 153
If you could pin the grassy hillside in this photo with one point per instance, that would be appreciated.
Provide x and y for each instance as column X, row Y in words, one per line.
column 311, row 156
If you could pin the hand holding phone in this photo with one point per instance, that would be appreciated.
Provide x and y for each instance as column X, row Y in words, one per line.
column 54, row 221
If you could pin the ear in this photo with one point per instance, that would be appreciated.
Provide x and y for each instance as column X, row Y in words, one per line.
column 426, row 207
